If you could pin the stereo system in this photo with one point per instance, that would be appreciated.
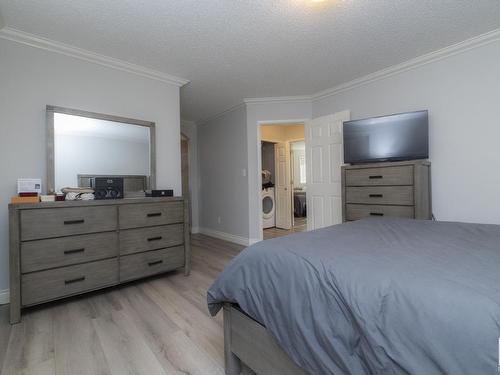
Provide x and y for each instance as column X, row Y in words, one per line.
column 162, row 193
column 108, row 187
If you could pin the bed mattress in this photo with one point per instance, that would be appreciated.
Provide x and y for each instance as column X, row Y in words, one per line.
column 376, row 296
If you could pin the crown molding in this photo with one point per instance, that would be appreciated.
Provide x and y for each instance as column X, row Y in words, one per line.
column 220, row 114
column 82, row 54
column 278, row 99
column 454, row 49
column 265, row 100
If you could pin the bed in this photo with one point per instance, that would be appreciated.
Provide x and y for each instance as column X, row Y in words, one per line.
column 375, row 296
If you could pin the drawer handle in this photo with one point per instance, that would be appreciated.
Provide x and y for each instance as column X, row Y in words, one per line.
column 70, row 222
column 154, row 214
column 376, row 195
column 375, row 177
column 150, row 264
column 71, row 281
column 376, row 214
column 73, row 251
column 155, row 238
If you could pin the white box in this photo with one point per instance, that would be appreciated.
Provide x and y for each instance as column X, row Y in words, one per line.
column 47, row 198
column 29, row 185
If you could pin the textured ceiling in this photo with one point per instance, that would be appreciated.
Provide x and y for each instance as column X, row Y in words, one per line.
column 232, row 49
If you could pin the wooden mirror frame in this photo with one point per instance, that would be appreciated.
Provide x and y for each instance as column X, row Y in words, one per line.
column 51, row 110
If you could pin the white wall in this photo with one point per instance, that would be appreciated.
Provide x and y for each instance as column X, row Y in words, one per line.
column 462, row 94
column 31, row 78
column 258, row 113
column 228, row 148
column 222, row 153
column 190, row 130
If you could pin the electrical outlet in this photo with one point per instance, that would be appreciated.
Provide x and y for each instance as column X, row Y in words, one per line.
column 219, row 220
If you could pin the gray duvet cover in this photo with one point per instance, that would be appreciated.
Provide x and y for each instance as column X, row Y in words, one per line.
column 376, row 296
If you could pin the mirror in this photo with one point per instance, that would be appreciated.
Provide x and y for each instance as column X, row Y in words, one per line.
column 84, row 145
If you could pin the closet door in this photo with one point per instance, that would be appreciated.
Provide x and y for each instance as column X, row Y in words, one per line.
column 283, row 188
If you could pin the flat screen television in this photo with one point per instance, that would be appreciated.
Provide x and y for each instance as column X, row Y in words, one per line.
column 403, row 136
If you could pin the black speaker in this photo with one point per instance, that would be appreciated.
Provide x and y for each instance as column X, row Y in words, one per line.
column 108, row 187
column 162, row 193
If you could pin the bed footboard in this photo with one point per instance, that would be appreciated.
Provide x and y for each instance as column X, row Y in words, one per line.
column 231, row 361
column 247, row 341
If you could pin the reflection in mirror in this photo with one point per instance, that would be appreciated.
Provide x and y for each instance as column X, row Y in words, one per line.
column 86, row 147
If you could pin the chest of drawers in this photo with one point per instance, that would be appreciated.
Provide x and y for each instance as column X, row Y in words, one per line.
column 60, row 249
column 396, row 189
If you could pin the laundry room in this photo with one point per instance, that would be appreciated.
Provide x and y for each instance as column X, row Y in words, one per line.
column 283, row 161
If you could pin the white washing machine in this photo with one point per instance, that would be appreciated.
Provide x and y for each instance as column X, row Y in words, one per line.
column 268, row 208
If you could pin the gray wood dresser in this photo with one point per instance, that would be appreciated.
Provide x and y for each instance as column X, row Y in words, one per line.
column 60, row 249
column 393, row 189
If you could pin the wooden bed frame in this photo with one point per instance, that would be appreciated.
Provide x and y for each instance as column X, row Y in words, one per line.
column 247, row 342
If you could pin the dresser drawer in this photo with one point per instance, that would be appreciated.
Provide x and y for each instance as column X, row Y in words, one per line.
column 65, row 251
column 61, row 282
column 57, row 222
column 149, row 214
column 149, row 263
column 401, row 175
column 144, row 239
column 401, row 195
column 360, row 211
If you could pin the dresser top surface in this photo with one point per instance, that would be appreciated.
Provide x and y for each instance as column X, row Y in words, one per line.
column 79, row 203
column 387, row 164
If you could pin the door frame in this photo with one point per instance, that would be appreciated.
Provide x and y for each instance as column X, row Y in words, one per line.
column 189, row 187
column 301, row 121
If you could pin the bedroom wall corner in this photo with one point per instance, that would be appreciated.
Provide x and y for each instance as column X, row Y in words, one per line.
column 288, row 109
column 223, row 175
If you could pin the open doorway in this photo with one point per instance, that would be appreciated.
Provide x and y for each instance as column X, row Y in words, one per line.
column 283, row 194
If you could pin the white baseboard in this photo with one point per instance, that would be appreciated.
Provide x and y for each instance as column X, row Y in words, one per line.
column 4, row 296
column 251, row 241
column 225, row 236
column 195, row 230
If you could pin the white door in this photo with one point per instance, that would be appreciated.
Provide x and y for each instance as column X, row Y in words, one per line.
column 282, row 188
column 324, row 158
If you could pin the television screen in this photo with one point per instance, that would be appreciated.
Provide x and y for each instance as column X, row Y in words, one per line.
column 403, row 136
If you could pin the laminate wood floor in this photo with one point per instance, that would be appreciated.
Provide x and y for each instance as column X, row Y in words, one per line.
column 157, row 326
column 4, row 331
column 300, row 225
